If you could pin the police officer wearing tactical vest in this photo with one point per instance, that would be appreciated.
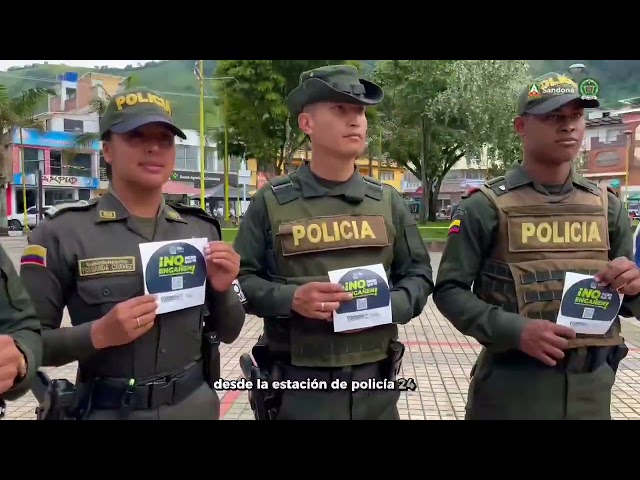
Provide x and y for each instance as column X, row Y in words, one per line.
column 20, row 341
column 288, row 242
column 133, row 363
column 514, row 239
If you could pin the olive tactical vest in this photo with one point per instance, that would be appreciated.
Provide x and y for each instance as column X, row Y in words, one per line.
column 311, row 236
column 540, row 238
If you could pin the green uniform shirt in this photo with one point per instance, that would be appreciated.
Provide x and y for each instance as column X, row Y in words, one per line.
column 411, row 274
column 80, row 243
column 18, row 319
column 466, row 250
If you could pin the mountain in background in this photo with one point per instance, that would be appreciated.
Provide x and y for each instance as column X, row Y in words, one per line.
column 618, row 79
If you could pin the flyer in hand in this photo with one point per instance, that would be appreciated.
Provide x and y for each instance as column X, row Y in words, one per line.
column 371, row 303
column 587, row 307
column 176, row 272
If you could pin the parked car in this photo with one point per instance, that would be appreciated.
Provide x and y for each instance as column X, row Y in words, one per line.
column 15, row 221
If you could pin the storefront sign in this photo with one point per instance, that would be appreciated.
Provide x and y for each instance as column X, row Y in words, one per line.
column 210, row 179
column 52, row 139
column 65, row 181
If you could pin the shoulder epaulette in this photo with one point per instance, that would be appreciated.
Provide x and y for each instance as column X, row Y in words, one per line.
column 586, row 183
column 469, row 192
column 592, row 187
column 73, row 207
column 373, row 187
column 196, row 212
column 498, row 185
column 284, row 189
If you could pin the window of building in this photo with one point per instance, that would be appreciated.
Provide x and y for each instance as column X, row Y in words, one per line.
column 74, row 126
column 55, row 196
column 192, row 158
column 79, row 165
column 607, row 159
column 186, row 158
column 212, row 160
column 55, row 162
column 386, row 176
column 32, row 198
column 33, row 160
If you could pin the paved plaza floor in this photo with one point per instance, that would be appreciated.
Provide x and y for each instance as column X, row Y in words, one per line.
column 438, row 357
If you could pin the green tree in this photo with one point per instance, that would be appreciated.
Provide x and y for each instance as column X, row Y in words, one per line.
column 437, row 111
column 16, row 113
column 254, row 109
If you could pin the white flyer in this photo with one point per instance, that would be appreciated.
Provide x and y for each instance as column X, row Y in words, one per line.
column 371, row 303
column 586, row 307
column 176, row 272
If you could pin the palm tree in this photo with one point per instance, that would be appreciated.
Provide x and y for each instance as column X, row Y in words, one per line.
column 16, row 113
column 99, row 106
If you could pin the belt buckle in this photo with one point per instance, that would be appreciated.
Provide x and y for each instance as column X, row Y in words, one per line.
column 161, row 392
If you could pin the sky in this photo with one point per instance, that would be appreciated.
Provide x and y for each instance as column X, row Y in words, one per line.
column 5, row 64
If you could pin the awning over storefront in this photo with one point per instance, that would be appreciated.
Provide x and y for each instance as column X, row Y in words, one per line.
column 180, row 188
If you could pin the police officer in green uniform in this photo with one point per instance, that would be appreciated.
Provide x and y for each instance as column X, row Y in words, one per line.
column 132, row 363
column 502, row 272
column 302, row 225
column 20, row 341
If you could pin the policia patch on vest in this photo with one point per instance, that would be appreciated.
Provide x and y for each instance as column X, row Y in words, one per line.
column 582, row 232
column 333, row 233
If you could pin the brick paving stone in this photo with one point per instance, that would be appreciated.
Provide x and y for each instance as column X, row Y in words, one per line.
column 438, row 358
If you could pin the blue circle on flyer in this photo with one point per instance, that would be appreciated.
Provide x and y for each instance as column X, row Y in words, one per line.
column 176, row 266
column 587, row 300
column 369, row 291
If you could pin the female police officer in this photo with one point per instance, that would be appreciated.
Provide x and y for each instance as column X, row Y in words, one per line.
column 132, row 363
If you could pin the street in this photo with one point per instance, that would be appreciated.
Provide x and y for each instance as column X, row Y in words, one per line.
column 438, row 358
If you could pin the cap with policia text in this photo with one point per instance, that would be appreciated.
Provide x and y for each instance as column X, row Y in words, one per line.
column 552, row 90
column 134, row 108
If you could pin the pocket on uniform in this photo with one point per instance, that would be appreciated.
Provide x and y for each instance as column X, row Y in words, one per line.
column 100, row 295
column 415, row 244
column 589, row 394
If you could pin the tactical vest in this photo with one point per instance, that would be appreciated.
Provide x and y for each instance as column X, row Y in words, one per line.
column 539, row 239
column 311, row 236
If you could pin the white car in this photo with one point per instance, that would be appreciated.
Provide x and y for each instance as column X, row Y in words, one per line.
column 15, row 221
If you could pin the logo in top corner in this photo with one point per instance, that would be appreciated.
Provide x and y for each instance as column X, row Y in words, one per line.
column 589, row 89
column 533, row 91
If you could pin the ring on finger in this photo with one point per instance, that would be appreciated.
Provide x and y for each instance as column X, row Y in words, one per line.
column 138, row 322
column 322, row 307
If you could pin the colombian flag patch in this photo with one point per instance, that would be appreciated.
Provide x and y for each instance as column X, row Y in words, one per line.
column 34, row 255
column 454, row 227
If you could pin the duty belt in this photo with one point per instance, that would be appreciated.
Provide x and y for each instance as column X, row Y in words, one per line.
column 377, row 370
column 112, row 393
column 584, row 359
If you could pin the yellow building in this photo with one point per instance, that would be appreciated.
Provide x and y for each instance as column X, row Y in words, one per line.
column 391, row 173
column 94, row 85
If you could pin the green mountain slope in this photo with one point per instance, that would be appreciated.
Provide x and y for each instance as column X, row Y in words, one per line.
column 175, row 78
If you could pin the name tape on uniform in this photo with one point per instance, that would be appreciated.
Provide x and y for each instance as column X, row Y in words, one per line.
column 333, row 233
column 106, row 265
